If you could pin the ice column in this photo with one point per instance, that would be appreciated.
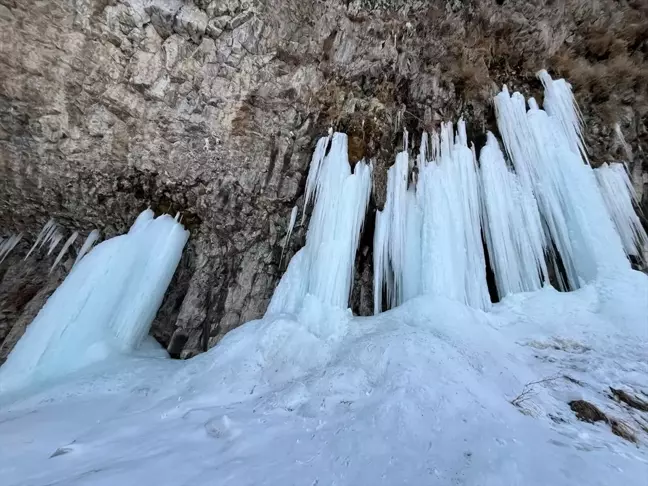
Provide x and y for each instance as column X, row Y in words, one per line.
column 512, row 225
column 618, row 194
column 105, row 305
column 324, row 267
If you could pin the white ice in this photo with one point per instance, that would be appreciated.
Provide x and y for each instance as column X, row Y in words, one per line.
column 105, row 305
column 512, row 225
column 417, row 395
column 326, row 263
column 620, row 198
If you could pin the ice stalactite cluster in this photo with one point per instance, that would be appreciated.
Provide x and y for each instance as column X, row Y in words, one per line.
column 546, row 207
column 619, row 196
column 548, row 155
column 324, row 267
column 512, row 226
column 428, row 237
column 105, row 306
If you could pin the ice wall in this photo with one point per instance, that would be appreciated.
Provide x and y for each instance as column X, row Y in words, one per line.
column 547, row 153
column 105, row 306
column 324, row 267
column 428, row 235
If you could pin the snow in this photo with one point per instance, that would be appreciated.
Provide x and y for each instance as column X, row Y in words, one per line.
column 104, row 307
column 417, row 395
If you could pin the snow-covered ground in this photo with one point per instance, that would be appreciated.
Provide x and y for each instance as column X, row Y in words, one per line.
column 417, row 395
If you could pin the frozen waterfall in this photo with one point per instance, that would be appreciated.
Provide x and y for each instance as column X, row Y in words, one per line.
column 544, row 209
column 428, row 236
column 105, row 306
column 324, row 267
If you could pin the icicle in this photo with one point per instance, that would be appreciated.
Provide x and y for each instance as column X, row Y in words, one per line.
column 569, row 201
column 291, row 225
column 51, row 232
column 103, row 308
column 380, row 258
column 397, row 177
column 8, row 245
column 560, row 103
column 619, row 196
column 87, row 244
column 314, row 170
column 66, row 245
column 54, row 239
column 43, row 233
column 512, row 225
column 622, row 141
column 341, row 199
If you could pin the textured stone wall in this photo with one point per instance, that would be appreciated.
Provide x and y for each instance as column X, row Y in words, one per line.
column 212, row 108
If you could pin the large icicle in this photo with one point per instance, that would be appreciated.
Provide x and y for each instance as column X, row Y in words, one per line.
column 428, row 237
column 512, row 225
column 618, row 194
column 104, row 306
column 9, row 244
column 569, row 201
column 68, row 243
column 559, row 103
column 324, row 267
column 41, row 236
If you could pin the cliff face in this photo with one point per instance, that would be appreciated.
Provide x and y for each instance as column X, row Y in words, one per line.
column 212, row 108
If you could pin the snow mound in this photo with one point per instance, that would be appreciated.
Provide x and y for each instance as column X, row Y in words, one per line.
column 421, row 394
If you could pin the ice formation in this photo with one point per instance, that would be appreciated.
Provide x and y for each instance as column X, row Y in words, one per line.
column 541, row 148
column 49, row 227
column 512, row 225
column 428, row 236
column 559, row 103
column 90, row 240
column 289, row 230
column 8, row 244
column 68, row 243
column 619, row 196
column 324, row 267
column 104, row 306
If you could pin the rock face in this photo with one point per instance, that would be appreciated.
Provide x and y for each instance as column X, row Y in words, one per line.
column 212, row 108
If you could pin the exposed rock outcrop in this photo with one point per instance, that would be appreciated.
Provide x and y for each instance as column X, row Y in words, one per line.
column 212, row 108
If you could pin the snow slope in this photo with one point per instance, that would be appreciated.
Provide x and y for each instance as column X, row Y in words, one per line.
column 417, row 395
